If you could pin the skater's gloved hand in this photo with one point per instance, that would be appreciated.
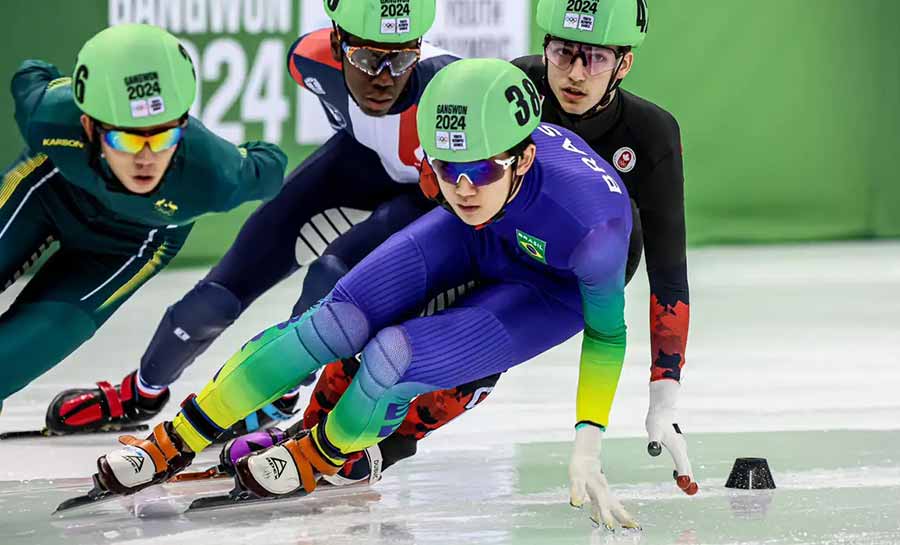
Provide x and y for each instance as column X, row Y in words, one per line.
column 588, row 483
column 662, row 431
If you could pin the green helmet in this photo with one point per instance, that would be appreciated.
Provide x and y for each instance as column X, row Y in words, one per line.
column 389, row 21
column 134, row 76
column 477, row 108
column 597, row 22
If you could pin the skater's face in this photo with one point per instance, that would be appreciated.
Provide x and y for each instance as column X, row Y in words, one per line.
column 130, row 152
column 376, row 73
column 477, row 204
column 579, row 74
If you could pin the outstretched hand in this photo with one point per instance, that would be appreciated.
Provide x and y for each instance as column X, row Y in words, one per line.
column 663, row 431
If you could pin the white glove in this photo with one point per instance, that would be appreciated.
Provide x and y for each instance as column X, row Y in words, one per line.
column 587, row 480
column 662, row 431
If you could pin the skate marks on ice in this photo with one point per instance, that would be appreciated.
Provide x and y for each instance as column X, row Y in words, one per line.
column 833, row 487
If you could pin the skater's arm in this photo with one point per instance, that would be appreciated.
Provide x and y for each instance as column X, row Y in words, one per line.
column 599, row 262
column 238, row 174
column 28, row 86
column 661, row 204
column 261, row 166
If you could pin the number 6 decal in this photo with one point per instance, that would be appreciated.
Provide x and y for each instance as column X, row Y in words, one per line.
column 80, row 75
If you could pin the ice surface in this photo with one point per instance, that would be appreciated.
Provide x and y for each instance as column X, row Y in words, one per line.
column 786, row 343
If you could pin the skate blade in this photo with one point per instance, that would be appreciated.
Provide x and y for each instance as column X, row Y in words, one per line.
column 46, row 433
column 242, row 498
column 95, row 496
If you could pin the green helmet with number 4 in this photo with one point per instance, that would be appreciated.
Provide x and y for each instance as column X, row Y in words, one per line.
column 474, row 109
column 134, row 76
column 597, row 22
column 388, row 21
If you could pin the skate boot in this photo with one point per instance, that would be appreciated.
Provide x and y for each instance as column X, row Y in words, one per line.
column 93, row 409
column 284, row 468
column 360, row 467
column 143, row 462
column 245, row 445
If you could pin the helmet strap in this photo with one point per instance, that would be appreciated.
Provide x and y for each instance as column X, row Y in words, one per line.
column 514, row 186
column 607, row 97
column 513, row 189
column 94, row 152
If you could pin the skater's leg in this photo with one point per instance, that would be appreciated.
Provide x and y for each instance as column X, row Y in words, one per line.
column 265, row 252
column 433, row 410
column 393, row 282
column 358, row 242
column 497, row 327
column 72, row 295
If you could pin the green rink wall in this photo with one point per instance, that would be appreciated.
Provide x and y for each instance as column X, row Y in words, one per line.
column 789, row 109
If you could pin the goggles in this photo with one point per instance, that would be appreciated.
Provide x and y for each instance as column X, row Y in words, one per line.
column 373, row 60
column 596, row 59
column 479, row 173
column 130, row 142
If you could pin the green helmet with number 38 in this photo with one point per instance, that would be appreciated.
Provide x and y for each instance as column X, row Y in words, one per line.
column 133, row 75
column 386, row 21
column 596, row 22
column 474, row 109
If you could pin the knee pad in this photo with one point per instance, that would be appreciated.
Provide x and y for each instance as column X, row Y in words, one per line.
column 321, row 276
column 205, row 312
column 335, row 330
column 385, row 359
column 187, row 329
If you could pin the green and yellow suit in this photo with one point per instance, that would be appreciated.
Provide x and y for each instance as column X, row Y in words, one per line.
column 111, row 241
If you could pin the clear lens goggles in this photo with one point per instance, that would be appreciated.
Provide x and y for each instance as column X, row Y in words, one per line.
column 596, row 59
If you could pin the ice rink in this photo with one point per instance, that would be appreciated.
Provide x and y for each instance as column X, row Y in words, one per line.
column 793, row 356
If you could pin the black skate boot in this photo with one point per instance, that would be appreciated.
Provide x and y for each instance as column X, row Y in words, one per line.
column 84, row 410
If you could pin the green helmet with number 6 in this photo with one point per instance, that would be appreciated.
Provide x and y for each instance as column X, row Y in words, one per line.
column 597, row 22
column 134, row 75
column 386, row 21
column 474, row 109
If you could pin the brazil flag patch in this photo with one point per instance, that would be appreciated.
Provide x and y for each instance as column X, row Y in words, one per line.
column 532, row 246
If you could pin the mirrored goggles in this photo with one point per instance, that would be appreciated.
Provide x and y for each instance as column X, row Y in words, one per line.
column 130, row 142
column 373, row 60
column 479, row 173
column 596, row 59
